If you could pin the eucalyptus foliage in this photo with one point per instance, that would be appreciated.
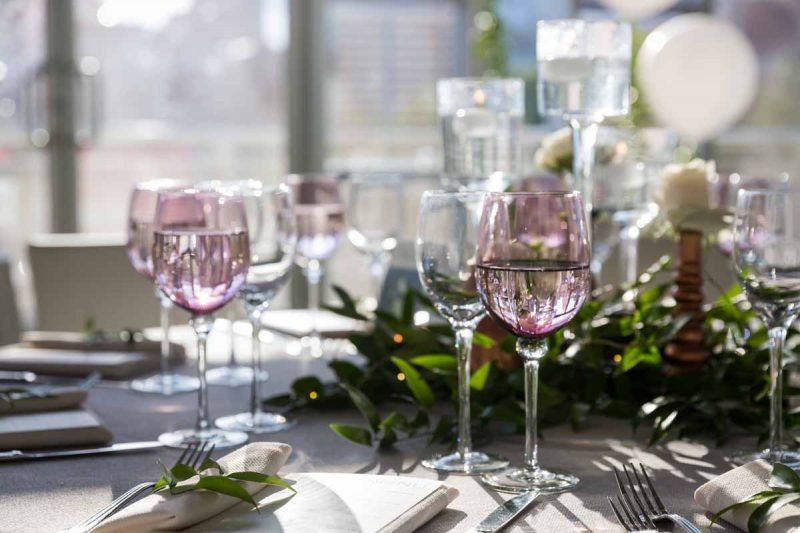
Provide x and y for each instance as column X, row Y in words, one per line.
column 608, row 361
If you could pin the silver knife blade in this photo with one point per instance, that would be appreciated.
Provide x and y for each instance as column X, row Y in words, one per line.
column 507, row 512
column 19, row 455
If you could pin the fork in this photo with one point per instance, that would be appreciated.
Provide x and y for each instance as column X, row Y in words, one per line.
column 194, row 456
column 640, row 504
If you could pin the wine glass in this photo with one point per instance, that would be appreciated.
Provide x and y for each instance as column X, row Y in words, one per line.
column 273, row 238
column 320, row 220
column 139, row 247
column 766, row 258
column 584, row 76
column 445, row 253
column 481, row 120
column 533, row 276
column 201, row 255
column 374, row 219
column 231, row 374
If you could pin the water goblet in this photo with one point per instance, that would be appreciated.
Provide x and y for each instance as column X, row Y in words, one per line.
column 139, row 247
column 584, row 76
column 445, row 254
column 201, row 254
column 533, row 276
column 320, row 220
column 273, row 238
column 766, row 258
column 374, row 219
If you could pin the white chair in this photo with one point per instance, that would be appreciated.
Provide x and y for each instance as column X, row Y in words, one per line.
column 81, row 276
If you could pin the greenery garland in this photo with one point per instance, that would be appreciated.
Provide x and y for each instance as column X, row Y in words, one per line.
column 607, row 361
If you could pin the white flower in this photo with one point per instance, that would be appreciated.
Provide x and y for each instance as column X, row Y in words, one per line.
column 685, row 186
column 555, row 152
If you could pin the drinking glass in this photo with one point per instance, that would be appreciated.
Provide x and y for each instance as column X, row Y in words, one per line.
column 139, row 247
column 584, row 76
column 766, row 258
column 201, row 255
column 445, row 255
column 533, row 276
column 320, row 220
column 481, row 120
column 374, row 219
column 273, row 238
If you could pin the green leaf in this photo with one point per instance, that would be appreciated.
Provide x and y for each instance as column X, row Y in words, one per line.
column 417, row 385
column 633, row 356
column 166, row 476
column 783, row 477
column 482, row 340
column 755, row 498
column 346, row 371
column 304, row 386
column 258, row 477
column 442, row 363
column 211, row 463
column 408, row 308
column 182, row 472
column 364, row 405
column 480, row 376
column 763, row 511
column 228, row 487
column 353, row 433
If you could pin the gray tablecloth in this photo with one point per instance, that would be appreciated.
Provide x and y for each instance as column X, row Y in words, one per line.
column 51, row 495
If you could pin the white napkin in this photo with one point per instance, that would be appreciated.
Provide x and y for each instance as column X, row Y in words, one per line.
column 739, row 484
column 165, row 512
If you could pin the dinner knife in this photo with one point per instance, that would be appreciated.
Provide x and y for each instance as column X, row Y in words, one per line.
column 506, row 513
column 123, row 447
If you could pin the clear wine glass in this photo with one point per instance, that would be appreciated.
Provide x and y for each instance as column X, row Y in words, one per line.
column 766, row 258
column 320, row 221
column 374, row 219
column 584, row 76
column 445, row 253
column 273, row 238
column 139, row 247
column 533, row 276
column 231, row 374
column 201, row 255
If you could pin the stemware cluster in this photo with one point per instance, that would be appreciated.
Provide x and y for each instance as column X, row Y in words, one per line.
column 206, row 244
column 524, row 258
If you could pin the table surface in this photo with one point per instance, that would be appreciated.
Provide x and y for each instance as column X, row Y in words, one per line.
column 50, row 495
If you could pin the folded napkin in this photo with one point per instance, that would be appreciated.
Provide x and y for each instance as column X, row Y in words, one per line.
column 44, row 399
column 297, row 323
column 739, row 484
column 71, row 340
column 51, row 430
column 165, row 512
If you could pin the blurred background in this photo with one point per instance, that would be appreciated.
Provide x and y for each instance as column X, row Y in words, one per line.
column 96, row 95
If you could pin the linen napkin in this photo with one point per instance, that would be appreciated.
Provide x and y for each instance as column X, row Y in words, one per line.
column 739, row 484
column 165, row 512
column 51, row 430
column 51, row 399
column 297, row 323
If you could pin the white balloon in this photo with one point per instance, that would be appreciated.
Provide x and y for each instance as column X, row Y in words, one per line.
column 638, row 9
column 699, row 74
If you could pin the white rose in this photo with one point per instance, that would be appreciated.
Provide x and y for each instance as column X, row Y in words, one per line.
column 685, row 186
column 555, row 152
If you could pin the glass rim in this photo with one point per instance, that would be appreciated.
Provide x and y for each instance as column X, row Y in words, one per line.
column 753, row 191
column 243, row 186
column 584, row 22
column 298, row 177
column 487, row 80
column 534, row 194
column 159, row 184
column 194, row 190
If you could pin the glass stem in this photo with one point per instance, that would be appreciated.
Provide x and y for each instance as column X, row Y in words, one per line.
column 314, row 276
column 584, row 140
column 777, row 336
column 255, row 392
column 376, row 273
column 166, row 305
column 629, row 251
column 202, row 325
column 232, row 357
column 531, row 351
column 464, row 352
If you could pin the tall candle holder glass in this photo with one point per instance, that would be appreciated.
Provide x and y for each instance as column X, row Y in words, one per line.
column 481, row 121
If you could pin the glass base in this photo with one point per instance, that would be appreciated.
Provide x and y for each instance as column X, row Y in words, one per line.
column 471, row 463
column 166, row 384
column 234, row 376
column 518, row 480
column 217, row 437
column 262, row 423
column 790, row 458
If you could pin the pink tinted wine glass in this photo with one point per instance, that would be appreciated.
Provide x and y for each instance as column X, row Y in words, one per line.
column 139, row 247
column 533, row 277
column 201, row 255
